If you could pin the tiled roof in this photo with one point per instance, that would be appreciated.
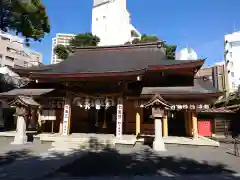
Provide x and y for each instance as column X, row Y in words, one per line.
column 200, row 86
column 28, row 100
column 217, row 110
column 157, row 99
column 111, row 59
column 26, row 92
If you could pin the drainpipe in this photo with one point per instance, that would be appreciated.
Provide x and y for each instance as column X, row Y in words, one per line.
column 226, row 85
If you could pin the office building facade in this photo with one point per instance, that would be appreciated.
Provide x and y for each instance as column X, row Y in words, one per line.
column 13, row 52
column 232, row 56
column 60, row 39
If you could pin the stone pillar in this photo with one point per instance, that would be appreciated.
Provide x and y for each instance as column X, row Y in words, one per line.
column 20, row 137
column 138, row 123
column 119, row 120
column 60, row 127
column 194, row 125
column 158, row 143
column 165, row 126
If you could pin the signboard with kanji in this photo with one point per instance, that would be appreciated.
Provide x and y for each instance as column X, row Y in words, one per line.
column 65, row 120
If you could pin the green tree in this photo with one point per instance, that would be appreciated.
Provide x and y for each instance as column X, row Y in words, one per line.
column 61, row 51
column 83, row 40
column 148, row 38
column 80, row 40
column 25, row 17
column 170, row 49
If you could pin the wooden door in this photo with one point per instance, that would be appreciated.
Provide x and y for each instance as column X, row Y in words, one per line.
column 204, row 128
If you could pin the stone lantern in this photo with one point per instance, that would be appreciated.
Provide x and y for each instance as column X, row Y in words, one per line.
column 23, row 105
column 159, row 107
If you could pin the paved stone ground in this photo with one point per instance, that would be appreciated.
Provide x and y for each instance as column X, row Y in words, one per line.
column 28, row 162
column 32, row 160
column 195, row 162
column 10, row 153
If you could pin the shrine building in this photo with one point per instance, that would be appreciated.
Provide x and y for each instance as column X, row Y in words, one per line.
column 109, row 90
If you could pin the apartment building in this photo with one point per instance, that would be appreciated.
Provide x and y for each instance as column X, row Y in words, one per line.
column 13, row 52
column 215, row 75
column 232, row 56
column 60, row 39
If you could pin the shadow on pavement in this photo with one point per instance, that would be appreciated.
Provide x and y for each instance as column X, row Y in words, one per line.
column 101, row 160
column 12, row 156
column 110, row 162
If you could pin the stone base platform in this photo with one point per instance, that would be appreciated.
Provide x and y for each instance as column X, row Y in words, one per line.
column 126, row 139
column 200, row 141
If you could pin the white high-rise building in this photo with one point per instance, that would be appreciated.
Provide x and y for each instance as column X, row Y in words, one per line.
column 111, row 22
column 232, row 60
column 60, row 39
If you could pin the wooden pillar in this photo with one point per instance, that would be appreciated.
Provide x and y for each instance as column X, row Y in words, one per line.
column 186, row 121
column 189, row 120
column 138, row 122
column 194, row 125
column 60, row 126
column 165, row 126
column 104, row 119
column 69, row 120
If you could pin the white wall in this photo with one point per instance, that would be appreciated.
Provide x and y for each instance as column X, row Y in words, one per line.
column 232, row 49
column 111, row 23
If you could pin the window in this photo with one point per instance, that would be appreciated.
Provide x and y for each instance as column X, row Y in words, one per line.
column 0, row 60
column 230, row 54
column 5, row 39
column 25, row 63
column 235, row 44
column 9, row 58
column 230, row 64
column 232, row 74
column 230, row 45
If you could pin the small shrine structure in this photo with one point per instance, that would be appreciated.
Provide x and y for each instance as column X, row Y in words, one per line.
column 24, row 107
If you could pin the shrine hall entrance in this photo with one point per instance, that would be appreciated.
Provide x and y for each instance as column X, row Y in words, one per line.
column 176, row 124
column 93, row 121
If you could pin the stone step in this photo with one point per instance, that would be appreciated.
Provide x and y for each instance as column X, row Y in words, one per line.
column 77, row 140
column 80, row 145
column 61, row 146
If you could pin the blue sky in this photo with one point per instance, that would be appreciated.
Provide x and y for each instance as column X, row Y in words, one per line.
column 200, row 24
